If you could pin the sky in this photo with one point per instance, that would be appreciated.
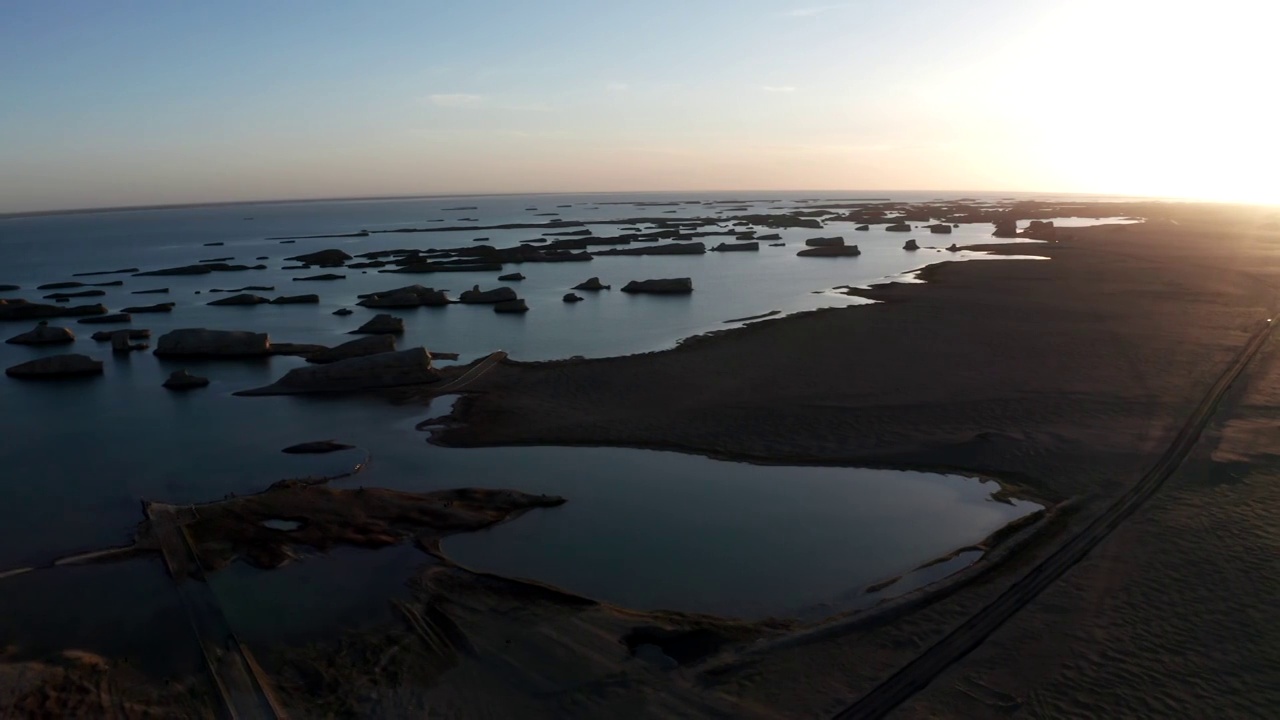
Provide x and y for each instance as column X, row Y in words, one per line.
column 136, row 102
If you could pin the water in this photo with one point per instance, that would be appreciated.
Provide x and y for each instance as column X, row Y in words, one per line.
column 658, row 530
column 81, row 455
column 727, row 285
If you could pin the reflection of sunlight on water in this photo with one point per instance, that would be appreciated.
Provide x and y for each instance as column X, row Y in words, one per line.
column 1084, row 221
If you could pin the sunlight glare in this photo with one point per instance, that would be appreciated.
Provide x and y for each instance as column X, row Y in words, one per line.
column 1163, row 99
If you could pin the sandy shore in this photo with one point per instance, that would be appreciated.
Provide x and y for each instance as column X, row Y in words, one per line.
column 1064, row 378
column 1173, row 616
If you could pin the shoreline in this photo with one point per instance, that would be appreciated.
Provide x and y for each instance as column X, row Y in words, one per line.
column 1060, row 381
column 481, row 419
column 1024, row 195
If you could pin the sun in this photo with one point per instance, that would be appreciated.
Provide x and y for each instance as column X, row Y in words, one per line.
column 1164, row 99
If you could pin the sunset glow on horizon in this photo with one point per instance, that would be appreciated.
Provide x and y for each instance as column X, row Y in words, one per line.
column 156, row 103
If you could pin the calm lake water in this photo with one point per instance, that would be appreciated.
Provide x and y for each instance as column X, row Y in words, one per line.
column 642, row 528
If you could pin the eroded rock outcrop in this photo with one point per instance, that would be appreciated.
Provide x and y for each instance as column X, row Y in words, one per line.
column 76, row 283
column 302, row 350
column 911, row 245
column 662, row 286
column 43, row 334
column 157, row 308
column 122, row 343
column 241, row 299
column 591, row 284
column 183, row 380
column 381, row 324
column 53, row 367
column 199, row 269
column 496, row 295
column 511, row 306
column 318, row 278
column 390, row 369
column 691, row 248
column 134, row 334
column 371, row 345
column 737, row 247
column 572, row 298
column 73, row 295
column 199, row 342
column 1040, row 230
column 405, row 297
column 296, row 300
column 830, row 251
column 321, row 257
column 316, row 447
column 1006, row 228
column 113, row 319
column 22, row 310
column 819, row 242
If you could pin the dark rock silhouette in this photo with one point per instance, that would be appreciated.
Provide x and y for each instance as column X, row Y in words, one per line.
column 316, row 447
column 22, row 310
column 824, row 242
column 241, row 299
column 737, row 247
column 43, row 334
column 830, row 251
column 199, row 342
column 511, row 306
column 389, row 369
column 591, row 284
column 665, row 286
column 157, row 308
column 183, row 380
column 106, row 319
column 321, row 257
column 381, row 324
column 369, row 345
column 476, row 295
column 53, row 367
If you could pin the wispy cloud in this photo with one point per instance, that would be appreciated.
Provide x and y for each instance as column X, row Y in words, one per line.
column 778, row 88
column 454, row 99
column 814, row 10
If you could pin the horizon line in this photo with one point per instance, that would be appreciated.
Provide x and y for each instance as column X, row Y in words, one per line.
column 18, row 214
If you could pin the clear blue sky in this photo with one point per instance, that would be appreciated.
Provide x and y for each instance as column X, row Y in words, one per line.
column 113, row 103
